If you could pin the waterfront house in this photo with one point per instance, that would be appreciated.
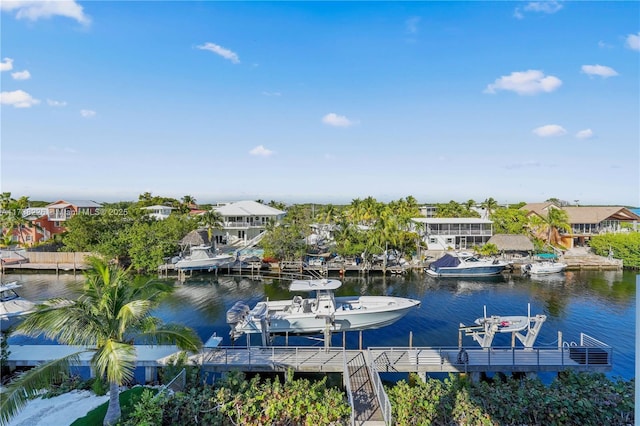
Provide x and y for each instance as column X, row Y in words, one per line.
column 62, row 210
column 587, row 221
column 459, row 233
column 243, row 221
column 158, row 212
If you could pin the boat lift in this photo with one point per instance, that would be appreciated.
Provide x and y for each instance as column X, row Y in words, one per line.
column 485, row 328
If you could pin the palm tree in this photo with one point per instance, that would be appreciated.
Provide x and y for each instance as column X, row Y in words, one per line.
column 110, row 312
column 211, row 219
column 548, row 227
column 490, row 205
column 189, row 201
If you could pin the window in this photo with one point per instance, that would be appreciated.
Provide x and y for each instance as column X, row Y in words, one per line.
column 449, row 240
column 433, row 240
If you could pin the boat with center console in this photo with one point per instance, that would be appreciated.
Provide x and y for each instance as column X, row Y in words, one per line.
column 12, row 306
column 203, row 258
column 322, row 311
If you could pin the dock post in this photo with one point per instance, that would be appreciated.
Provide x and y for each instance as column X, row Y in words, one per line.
column 344, row 340
column 410, row 339
column 360, row 340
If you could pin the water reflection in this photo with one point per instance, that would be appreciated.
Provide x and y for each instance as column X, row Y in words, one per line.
column 598, row 303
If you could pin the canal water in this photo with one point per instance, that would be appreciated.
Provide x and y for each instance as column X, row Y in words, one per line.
column 601, row 304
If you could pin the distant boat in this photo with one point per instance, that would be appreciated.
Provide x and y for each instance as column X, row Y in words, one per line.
column 202, row 258
column 543, row 267
column 319, row 313
column 465, row 265
column 12, row 306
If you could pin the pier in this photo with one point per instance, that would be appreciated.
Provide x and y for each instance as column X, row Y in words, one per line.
column 361, row 368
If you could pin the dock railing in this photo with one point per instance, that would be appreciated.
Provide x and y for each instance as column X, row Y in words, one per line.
column 378, row 388
column 346, row 380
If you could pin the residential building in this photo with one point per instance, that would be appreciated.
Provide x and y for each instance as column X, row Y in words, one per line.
column 587, row 221
column 158, row 212
column 244, row 220
column 457, row 233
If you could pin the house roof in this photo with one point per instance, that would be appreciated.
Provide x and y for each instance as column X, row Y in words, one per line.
column 75, row 203
column 450, row 220
column 511, row 242
column 158, row 207
column 599, row 213
column 247, row 208
column 197, row 237
column 538, row 208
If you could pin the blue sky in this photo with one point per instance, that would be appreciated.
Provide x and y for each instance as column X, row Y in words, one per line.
column 321, row 101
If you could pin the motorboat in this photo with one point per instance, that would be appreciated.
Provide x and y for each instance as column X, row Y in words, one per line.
column 321, row 312
column 543, row 267
column 485, row 328
column 12, row 306
column 203, row 258
column 465, row 265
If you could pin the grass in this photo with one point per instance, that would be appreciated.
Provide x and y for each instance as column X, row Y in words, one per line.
column 128, row 399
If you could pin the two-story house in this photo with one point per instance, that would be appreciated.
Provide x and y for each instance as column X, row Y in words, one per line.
column 459, row 233
column 244, row 220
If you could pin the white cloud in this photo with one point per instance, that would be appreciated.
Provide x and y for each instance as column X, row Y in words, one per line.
column 21, row 75
column 528, row 82
column 219, row 50
column 550, row 130
column 53, row 103
column 36, row 9
column 333, row 119
column 523, row 165
column 6, row 64
column 18, row 98
column 87, row 113
column 585, row 134
column 261, row 151
column 633, row 41
column 549, row 7
column 603, row 45
column 601, row 70
column 411, row 24
column 265, row 93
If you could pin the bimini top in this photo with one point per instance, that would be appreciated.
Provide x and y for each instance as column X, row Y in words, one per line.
column 312, row 285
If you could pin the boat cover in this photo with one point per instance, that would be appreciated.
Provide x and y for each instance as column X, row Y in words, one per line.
column 446, row 261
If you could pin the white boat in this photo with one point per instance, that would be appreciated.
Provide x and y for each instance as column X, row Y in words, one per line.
column 203, row 258
column 319, row 313
column 465, row 265
column 543, row 267
column 12, row 305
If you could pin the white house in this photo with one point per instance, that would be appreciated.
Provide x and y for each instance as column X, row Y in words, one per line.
column 159, row 212
column 245, row 220
column 457, row 233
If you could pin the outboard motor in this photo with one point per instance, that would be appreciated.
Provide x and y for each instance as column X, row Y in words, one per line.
column 237, row 313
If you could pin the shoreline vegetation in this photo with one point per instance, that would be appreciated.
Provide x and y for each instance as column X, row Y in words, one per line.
column 125, row 233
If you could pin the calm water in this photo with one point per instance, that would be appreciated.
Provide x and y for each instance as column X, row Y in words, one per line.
column 601, row 304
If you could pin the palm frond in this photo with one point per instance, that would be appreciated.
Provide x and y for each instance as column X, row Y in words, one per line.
column 184, row 337
column 27, row 385
column 115, row 361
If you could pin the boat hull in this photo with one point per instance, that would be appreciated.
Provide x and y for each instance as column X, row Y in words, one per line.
column 366, row 312
column 203, row 263
column 543, row 269
column 475, row 271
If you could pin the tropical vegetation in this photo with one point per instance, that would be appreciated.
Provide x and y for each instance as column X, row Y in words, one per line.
column 573, row 398
column 112, row 312
column 625, row 246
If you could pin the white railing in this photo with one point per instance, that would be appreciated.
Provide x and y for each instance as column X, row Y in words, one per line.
column 383, row 398
column 346, row 380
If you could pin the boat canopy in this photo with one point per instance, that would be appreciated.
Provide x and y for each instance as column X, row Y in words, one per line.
column 546, row 256
column 446, row 261
column 313, row 285
column 9, row 286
